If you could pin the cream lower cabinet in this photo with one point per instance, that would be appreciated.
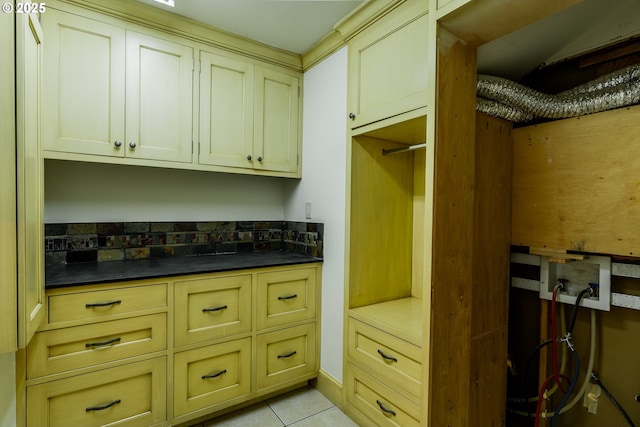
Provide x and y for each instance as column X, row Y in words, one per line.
column 169, row 351
column 110, row 91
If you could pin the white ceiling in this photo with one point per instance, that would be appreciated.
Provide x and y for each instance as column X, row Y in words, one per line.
column 296, row 25
column 292, row 25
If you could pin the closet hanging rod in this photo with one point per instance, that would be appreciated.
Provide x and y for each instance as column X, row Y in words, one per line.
column 402, row 149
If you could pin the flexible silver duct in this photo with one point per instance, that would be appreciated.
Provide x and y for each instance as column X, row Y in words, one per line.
column 512, row 101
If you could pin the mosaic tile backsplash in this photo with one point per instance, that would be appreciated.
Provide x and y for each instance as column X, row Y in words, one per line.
column 113, row 241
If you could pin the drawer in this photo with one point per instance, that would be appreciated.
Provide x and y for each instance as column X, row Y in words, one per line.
column 210, row 375
column 378, row 402
column 286, row 355
column 60, row 350
column 286, row 296
column 104, row 304
column 390, row 358
column 130, row 395
column 211, row 308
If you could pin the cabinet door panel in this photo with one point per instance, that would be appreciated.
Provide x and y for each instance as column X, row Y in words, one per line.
column 211, row 375
column 131, row 395
column 276, row 121
column 30, row 182
column 159, row 104
column 388, row 67
column 226, row 111
column 83, row 96
column 286, row 296
column 212, row 308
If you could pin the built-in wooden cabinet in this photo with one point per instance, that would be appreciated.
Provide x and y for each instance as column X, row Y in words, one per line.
column 116, row 92
column 29, row 179
column 119, row 92
column 249, row 115
column 388, row 66
column 183, row 348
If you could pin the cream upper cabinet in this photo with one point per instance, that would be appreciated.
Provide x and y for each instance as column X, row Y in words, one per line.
column 249, row 115
column 30, row 178
column 226, row 111
column 276, row 118
column 113, row 92
column 388, row 66
column 159, row 101
column 84, row 85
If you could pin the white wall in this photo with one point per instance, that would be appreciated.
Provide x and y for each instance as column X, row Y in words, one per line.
column 323, row 184
column 92, row 192
column 7, row 390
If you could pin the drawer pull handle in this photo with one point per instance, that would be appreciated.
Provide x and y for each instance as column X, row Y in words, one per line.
column 102, row 343
column 385, row 357
column 217, row 374
column 101, row 407
column 384, row 409
column 285, row 356
column 288, row 297
column 103, row 304
column 222, row 307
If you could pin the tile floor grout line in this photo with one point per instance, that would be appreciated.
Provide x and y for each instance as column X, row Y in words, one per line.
column 274, row 413
column 308, row 416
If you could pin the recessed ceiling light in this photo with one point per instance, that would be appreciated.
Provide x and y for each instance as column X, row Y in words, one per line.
column 167, row 2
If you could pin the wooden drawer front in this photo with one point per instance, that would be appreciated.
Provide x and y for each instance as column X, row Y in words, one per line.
column 378, row 402
column 210, row 375
column 391, row 358
column 212, row 308
column 286, row 355
column 136, row 393
column 99, row 305
column 65, row 349
column 286, row 296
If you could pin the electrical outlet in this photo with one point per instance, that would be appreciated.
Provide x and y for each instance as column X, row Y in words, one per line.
column 307, row 210
column 577, row 275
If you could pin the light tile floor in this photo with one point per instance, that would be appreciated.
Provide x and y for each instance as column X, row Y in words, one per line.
column 305, row 407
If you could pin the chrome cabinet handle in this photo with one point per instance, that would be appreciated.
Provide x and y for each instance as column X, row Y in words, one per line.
column 117, row 143
column 101, row 407
column 132, row 145
column 288, row 297
column 217, row 374
column 286, row 356
column 352, row 116
column 259, row 158
column 102, row 343
column 222, row 307
column 103, row 304
column 385, row 357
column 384, row 409
column 249, row 157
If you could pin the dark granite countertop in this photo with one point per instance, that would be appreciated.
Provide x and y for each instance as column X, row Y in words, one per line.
column 61, row 275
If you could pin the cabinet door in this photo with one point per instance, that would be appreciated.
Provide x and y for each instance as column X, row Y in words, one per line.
column 388, row 66
column 285, row 297
column 276, row 121
column 30, row 182
column 132, row 395
column 159, row 100
column 226, row 111
column 8, row 314
column 83, row 97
